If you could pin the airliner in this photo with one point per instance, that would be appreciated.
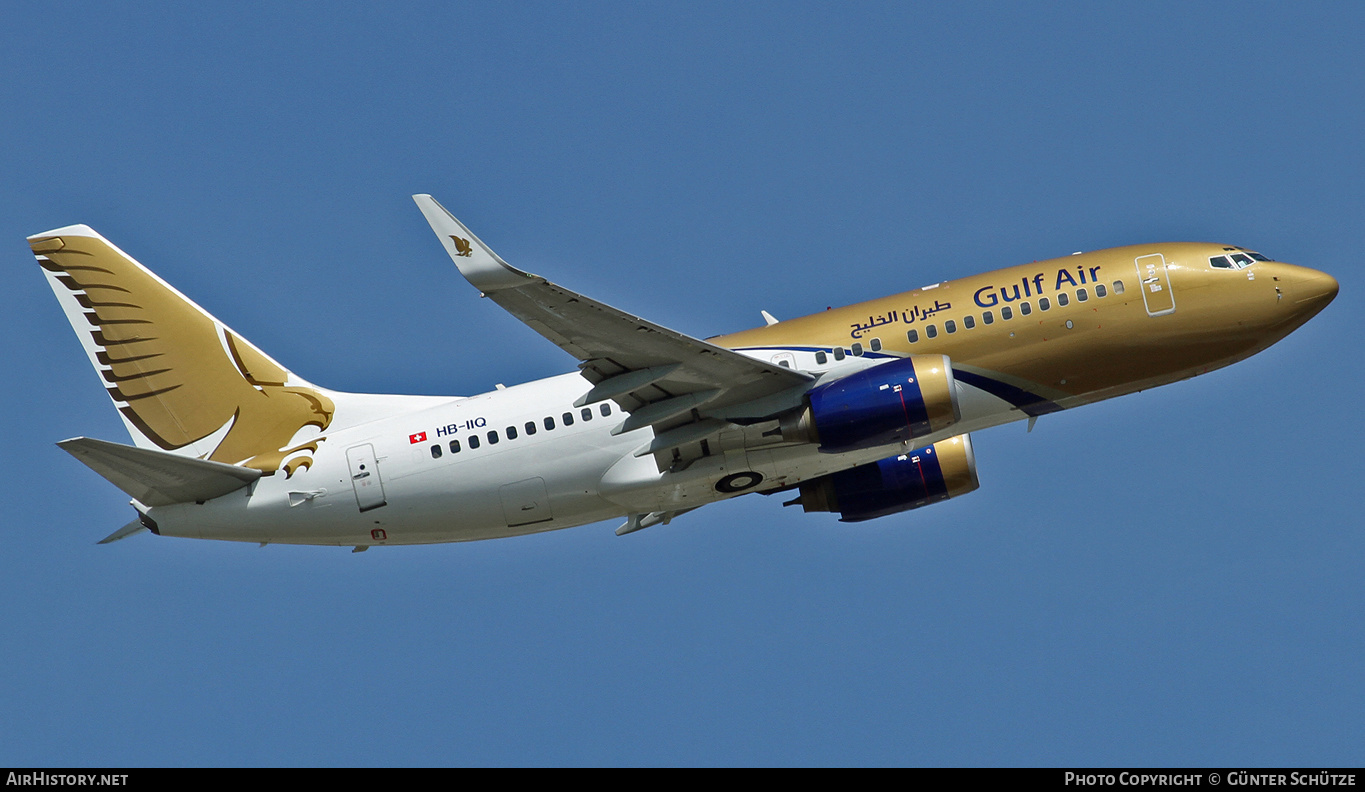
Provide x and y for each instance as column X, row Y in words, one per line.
column 863, row 411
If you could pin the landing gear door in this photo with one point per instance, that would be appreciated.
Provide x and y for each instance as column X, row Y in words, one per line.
column 1156, row 285
column 369, row 488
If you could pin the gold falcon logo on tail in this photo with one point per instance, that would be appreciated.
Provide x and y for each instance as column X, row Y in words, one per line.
column 175, row 373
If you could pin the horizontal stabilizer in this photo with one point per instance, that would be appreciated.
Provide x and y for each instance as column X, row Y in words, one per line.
column 156, row 478
column 126, row 531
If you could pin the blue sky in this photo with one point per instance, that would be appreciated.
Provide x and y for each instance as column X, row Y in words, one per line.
column 1169, row 578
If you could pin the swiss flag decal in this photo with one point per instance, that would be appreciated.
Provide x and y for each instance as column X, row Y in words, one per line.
column 420, row 437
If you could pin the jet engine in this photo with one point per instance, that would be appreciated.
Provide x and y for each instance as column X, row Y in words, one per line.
column 887, row 403
column 926, row 475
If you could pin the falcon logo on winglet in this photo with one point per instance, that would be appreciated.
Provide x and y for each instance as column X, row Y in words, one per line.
column 461, row 245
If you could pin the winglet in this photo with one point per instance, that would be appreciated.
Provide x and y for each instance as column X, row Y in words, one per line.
column 477, row 262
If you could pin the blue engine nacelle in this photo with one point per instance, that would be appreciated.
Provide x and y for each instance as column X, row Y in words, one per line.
column 926, row 475
column 888, row 403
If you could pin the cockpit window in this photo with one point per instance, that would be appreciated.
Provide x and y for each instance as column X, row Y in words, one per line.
column 1236, row 260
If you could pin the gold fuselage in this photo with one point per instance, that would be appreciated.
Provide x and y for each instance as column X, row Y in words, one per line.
column 1152, row 329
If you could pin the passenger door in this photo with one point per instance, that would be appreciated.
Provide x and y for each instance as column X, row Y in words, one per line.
column 369, row 489
column 1156, row 284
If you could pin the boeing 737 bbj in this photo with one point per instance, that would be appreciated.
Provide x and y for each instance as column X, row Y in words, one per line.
column 865, row 410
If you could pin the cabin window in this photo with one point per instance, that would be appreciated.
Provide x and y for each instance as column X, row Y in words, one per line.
column 605, row 409
column 1118, row 287
column 454, row 446
column 912, row 336
column 876, row 345
column 586, row 412
column 511, row 433
column 1100, row 291
column 950, row 326
column 1044, row 304
column 821, row 358
column 436, row 452
column 1063, row 298
column 1007, row 313
column 549, row 422
column 988, row 318
column 1025, row 309
column 492, row 436
column 857, row 349
column 1221, row 262
column 1082, row 295
column 969, row 321
column 1242, row 260
column 838, row 353
column 931, row 331
column 473, row 441
column 567, row 418
column 530, row 428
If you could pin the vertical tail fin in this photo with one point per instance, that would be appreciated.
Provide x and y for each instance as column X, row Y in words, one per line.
column 182, row 381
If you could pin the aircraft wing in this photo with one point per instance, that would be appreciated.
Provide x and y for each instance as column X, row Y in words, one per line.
column 684, row 387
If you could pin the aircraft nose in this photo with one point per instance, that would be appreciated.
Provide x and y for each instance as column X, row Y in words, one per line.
column 1313, row 290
